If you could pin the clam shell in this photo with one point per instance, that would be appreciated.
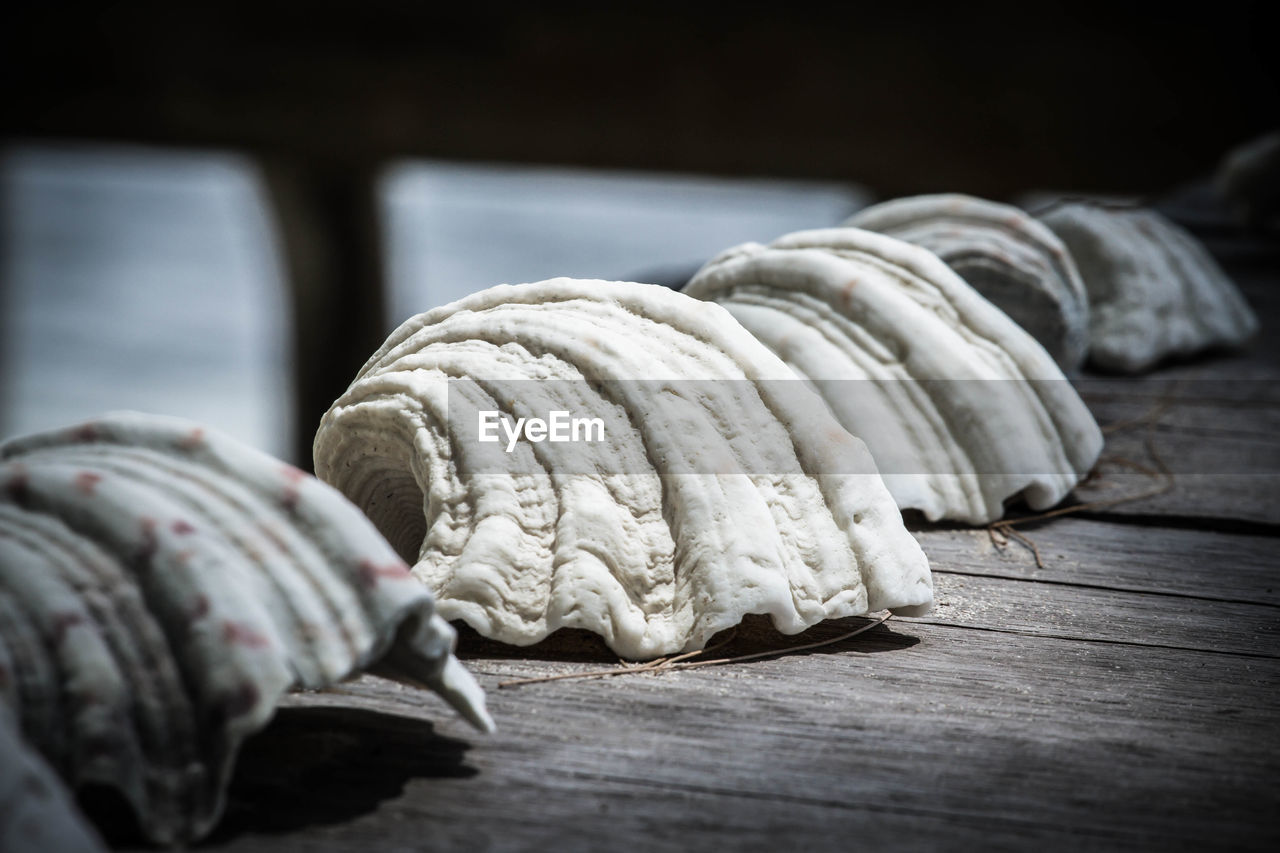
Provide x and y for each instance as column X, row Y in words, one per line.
column 162, row 585
column 1154, row 292
column 960, row 407
column 722, row 486
column 1006, row 255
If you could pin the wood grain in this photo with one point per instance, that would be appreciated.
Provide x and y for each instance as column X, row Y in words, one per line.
column 1100, row 701
column 920, row 734
column 1197, row 565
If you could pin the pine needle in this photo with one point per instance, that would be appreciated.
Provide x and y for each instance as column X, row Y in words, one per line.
column 681, row 662
column 1001, row 531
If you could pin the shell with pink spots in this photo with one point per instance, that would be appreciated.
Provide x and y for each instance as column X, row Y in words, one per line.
column 182, row 582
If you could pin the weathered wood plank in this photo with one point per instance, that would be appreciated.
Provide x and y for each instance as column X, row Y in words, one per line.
column 1069, row 731
column 1103, row 615
column 1210, row 500
column 1166, row 561
column 917, row 736
column 1036, row 706
column 1220, row 439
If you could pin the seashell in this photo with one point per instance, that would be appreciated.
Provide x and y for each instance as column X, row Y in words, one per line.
column 1248, row 178
column 894, row 341
column 1154, row 291
column 722, row 486
column 1004, row 254
column 36, row 812
column 161, row 585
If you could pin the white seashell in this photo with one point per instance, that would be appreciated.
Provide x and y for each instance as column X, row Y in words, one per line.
column 36, row 812
column 963, row 409
column 162, row 585
column 712, row 496
column 1154, row 291
column 1006, row 255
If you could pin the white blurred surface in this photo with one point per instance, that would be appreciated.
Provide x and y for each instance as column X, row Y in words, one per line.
column 140, row 279
column 148, row 279
column 455, row 229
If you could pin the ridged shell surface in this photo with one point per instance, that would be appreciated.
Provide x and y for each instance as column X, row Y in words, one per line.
column 1154, row 292
column 960, row 407
column 723, row 486
column 161, row 585
column 1006, row 255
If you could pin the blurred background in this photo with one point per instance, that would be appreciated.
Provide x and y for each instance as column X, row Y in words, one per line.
column 219, row 210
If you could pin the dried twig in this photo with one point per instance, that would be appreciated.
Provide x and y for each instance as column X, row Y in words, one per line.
column 679, row 662
column 1163, row 472
column 1028, row 542
column 1000, row 531
column 1147, row 418
column 625, row 668
column 1126, row 462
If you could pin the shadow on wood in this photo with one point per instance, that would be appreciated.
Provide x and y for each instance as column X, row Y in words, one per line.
column 310, row 767
column 754, row 635
column 325, row 766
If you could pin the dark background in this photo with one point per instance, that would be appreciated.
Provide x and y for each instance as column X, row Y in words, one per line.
column 988, row 98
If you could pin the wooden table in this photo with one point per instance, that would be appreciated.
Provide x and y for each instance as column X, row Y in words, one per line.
column 1124, row 695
